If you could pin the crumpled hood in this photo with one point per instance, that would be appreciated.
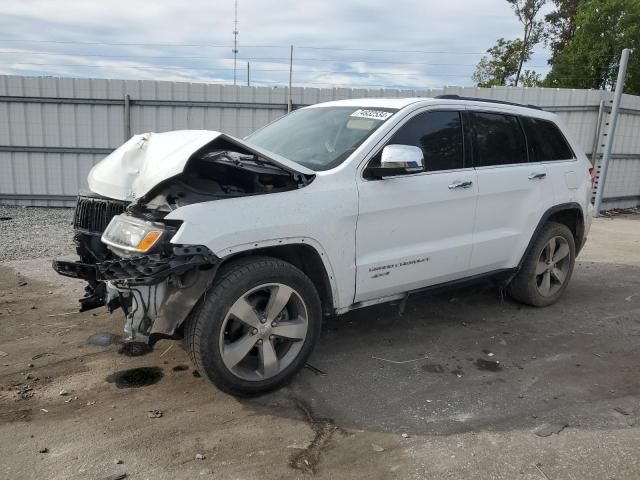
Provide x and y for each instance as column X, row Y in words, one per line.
column 147, row 159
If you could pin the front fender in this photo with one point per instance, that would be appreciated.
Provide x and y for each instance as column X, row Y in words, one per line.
column 324, row 218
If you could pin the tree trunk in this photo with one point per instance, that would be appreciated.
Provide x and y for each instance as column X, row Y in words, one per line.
column 515, row 84
column 525, row 42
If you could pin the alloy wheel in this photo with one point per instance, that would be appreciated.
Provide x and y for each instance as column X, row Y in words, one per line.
column 263, row 331
column 553, row 266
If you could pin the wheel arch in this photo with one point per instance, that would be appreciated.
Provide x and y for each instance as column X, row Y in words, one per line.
column 303, row 253
column 569, row 214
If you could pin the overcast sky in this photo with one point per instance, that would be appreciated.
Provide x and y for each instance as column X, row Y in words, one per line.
column 392, row 43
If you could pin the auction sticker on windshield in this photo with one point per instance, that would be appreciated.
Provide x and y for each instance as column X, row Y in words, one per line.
column 372, row 114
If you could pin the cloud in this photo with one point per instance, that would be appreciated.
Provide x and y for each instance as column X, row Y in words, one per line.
column 377, row 43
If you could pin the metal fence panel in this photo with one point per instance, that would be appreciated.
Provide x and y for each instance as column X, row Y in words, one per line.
column 53, row 130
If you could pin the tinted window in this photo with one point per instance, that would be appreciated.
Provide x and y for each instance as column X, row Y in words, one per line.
column 438, row 134
column 499, row 140
column 546, row 141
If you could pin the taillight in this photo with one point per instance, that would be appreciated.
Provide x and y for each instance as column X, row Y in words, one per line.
column 592, row 174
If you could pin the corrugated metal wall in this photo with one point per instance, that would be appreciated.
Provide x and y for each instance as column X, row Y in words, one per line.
column 53, row 130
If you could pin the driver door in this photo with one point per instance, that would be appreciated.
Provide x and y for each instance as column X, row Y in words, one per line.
column 416, row 229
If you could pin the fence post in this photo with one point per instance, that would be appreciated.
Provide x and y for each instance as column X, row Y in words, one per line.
column 622, row 70
column 290, row 78
column 127, row 117
column 596, row 135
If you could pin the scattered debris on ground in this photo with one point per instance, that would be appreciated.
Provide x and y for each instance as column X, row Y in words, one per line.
column 539, row 468
column 25, row 392
column 488, row 365
column 315, row 370
column 117, row 476
column 166, row 351
column 616, row 212
column 42, row 355
column 400, row 362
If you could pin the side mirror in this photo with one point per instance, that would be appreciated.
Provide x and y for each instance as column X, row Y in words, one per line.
column 398, row 159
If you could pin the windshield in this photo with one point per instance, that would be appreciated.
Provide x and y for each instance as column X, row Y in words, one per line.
column 320, row 138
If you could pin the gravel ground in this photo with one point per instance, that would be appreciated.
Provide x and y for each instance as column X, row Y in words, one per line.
column 32, row 232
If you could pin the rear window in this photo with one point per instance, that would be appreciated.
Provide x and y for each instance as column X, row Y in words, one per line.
column 499, row 140
column 546, row 141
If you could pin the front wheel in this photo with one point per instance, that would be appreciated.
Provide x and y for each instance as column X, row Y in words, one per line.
column 547, row 268
column 255, row 327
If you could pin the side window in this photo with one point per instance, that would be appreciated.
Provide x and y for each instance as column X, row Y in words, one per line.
column 499, row 140
column 546, row 141
column 438, row 134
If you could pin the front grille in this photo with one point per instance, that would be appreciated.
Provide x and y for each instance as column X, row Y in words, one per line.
column 93, row 214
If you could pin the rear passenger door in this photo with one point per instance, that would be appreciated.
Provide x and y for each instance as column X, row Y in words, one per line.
column 513, row 192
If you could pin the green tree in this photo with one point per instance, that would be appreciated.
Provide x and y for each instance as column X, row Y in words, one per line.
column 527, row 11
column 560, row 25
column 590, row 59
column 530, row 79
column 500, row 66
column 503, row 65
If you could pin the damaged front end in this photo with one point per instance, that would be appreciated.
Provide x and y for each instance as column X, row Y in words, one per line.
column 124, row 241
column 154, row 282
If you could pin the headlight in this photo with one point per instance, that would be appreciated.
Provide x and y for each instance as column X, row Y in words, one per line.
column 132, row 234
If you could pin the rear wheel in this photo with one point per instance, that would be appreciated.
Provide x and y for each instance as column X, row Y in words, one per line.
column 547, row 268
column 255, row 327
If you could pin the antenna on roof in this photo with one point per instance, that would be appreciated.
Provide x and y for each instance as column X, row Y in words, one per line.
column 235, row 41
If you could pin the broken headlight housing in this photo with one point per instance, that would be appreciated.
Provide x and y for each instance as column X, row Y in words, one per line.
column 133, row 235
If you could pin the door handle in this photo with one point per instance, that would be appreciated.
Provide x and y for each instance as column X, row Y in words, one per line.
column 460, row 184
column 537, row 176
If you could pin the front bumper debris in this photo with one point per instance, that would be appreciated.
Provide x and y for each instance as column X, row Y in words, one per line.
column 157, row 291
column 145, row 269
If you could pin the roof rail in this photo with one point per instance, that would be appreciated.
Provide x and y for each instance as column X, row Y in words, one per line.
column 488, row 100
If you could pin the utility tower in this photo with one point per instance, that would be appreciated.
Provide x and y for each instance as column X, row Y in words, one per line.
column 235, row 41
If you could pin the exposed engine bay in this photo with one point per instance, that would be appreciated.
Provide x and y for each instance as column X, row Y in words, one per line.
column 215, row 175
column 158, row 288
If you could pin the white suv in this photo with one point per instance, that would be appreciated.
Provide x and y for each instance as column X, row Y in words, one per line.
column 239, row 247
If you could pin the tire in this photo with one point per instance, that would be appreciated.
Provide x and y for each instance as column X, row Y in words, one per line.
column 239, row 314
column 542, row 279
